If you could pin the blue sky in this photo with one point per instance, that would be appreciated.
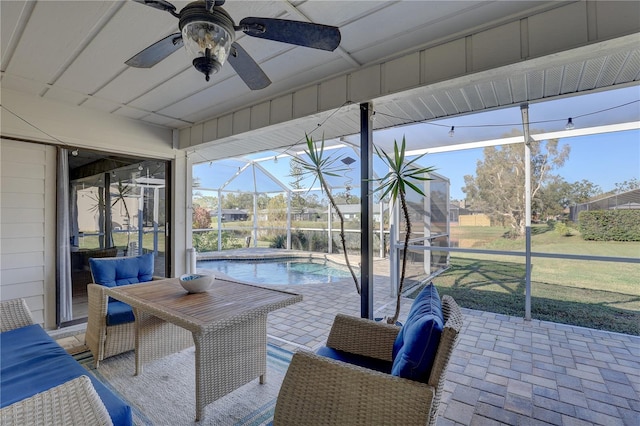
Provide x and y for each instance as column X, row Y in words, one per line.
column 602, row 159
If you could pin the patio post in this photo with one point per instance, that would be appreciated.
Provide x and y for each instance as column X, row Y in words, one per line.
column 219, row 220
column 366, row 208
column 524, row 110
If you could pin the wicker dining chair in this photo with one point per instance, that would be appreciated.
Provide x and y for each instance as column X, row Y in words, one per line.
column 102, row 339
column 322, row 391
column 106, row 339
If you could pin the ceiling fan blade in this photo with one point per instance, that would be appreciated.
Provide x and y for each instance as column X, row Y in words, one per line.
column 306, row 34
column 159, row 4
column 247, row 68
column 156, row 52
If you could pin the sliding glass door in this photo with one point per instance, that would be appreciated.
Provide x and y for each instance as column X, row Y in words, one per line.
column 118, row 207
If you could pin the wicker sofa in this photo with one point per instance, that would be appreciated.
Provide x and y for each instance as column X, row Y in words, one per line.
column 41, row 384
column 358, row 388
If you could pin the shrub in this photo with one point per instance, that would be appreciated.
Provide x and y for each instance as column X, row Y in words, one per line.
column 279, row 241
column 610, row 225
column 563, row 229
column 298, row 240
column 200, row 218
column 205, row 241
column 208, row 241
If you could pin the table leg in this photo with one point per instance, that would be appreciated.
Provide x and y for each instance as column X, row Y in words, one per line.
column 156, row 338
column 228, row 358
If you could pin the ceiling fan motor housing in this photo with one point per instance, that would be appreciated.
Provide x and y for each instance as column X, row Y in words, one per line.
column 207, row 36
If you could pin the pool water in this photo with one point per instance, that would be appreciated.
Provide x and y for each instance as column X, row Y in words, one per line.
column 278, row 271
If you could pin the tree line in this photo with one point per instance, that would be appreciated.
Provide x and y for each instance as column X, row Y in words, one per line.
column 497, row 188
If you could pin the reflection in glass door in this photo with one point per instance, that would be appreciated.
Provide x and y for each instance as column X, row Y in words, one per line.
column 118, row 208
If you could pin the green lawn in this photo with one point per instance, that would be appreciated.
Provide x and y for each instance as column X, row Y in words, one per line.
column 120, row 241
column 601, row 295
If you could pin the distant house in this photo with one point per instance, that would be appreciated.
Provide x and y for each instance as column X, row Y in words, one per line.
column 230, row 215
column 308, row 214
column 350, row 212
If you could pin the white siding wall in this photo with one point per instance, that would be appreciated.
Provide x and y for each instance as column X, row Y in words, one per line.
column 27, row 226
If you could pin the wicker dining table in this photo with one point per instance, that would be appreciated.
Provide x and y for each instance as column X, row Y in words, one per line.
column 228, row 324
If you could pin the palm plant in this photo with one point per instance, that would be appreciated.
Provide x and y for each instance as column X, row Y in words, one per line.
column 123, row 191
column 320, row 166
column 401, row 176
column 97, row 206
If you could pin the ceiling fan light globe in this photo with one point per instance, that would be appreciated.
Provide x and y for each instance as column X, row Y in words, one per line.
column 202, row 39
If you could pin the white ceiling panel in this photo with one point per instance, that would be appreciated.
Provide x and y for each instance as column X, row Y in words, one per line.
column 242, row 9
column 339, row 13
column 60, row 94
column 19, row 84
column 631, row 71
column 498, row 93
column 592, row 69
column 13, row 17
column 129, row 112
column 261, row 50
column 158, row 119
column 43, row 50
column 135, row 82
column 204, row 98
column 119, row 40
column 101, row 104
column 188, row 82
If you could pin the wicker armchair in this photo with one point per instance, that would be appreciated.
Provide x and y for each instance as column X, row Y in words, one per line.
column 105, row 341
column 321, row 391
column 14, row 314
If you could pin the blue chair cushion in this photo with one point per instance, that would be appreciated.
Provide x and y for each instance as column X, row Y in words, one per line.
column 119, row 313
column 32, row 362
column 117, row 271
column 362, row 361
column 415, row 347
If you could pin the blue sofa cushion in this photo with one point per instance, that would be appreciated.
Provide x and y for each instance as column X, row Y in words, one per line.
column 119, row 313
column 362, row 361
column 415, row 347
column 32, row 362
column 117, row 271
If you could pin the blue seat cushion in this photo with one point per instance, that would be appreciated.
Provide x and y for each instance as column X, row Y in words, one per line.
column 117, row 271
column 415, row 347
column 362, row 361
column 32, row 362
column 119, row 313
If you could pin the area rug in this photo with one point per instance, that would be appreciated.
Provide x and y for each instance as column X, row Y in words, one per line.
column 164, row 394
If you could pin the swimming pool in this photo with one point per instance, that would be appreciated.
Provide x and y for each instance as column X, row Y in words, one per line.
column 278, row 271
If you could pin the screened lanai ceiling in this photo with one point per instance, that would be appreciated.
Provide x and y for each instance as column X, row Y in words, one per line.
column 73, row 52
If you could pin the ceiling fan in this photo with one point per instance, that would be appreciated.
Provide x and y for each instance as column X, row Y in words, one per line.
column 208, row 33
